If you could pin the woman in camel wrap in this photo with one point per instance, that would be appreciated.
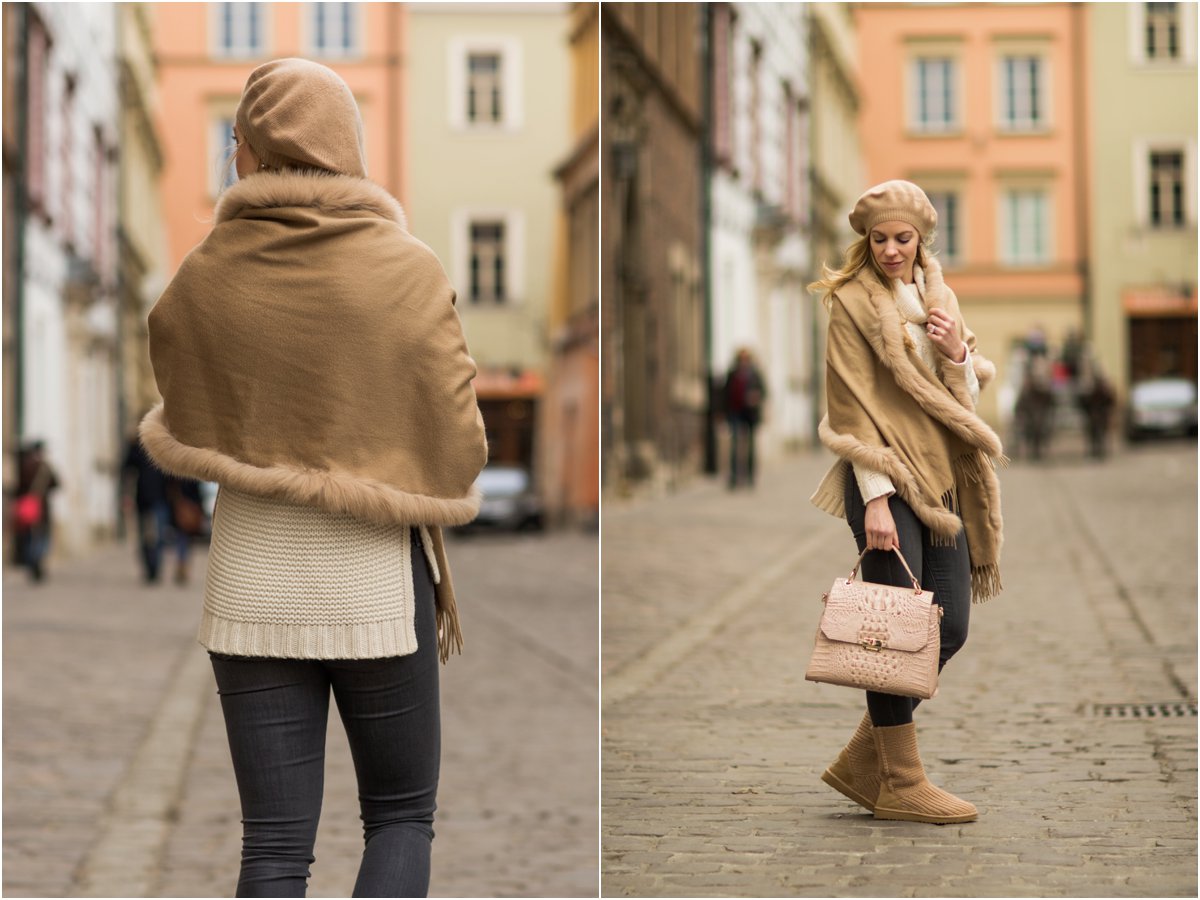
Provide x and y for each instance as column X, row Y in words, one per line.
column 312, row 363
column 915, row 467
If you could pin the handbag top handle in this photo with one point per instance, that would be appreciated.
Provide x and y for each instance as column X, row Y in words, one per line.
column 903, row 562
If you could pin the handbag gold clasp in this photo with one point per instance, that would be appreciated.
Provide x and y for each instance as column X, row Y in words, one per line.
column 872, row 644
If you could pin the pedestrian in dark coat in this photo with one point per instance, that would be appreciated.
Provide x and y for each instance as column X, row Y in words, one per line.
column 157, row 498
column 36, row 480
column 1035, row 405
column 1096, row 398
column 745, row 393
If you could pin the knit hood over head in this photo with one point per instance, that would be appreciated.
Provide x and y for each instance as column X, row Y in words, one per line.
column 297, row 112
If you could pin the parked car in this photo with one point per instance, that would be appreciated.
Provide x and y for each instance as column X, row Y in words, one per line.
column 509, row 501
column 1161, row 406
column 208, row 502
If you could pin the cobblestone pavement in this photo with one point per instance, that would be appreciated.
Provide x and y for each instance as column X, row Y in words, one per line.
column 117, row 779
column 713, row 743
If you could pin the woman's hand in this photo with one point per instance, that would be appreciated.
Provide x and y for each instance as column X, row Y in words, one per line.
column 881, row 527
column 943, row 332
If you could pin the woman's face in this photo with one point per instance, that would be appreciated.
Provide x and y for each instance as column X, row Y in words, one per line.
column 894, row 246
column 245, row 161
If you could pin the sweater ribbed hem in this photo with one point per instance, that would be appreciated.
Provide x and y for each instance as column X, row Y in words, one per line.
column 374, row 640
column 830, row 495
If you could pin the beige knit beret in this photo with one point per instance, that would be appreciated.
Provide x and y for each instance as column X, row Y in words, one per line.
column 297, row 112
column 894, row 201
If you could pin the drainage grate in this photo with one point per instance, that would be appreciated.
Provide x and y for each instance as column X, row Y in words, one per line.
column 1175, row 709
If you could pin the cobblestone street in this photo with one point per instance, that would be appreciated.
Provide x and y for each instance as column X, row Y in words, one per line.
column 713, row 742
column 117, row 780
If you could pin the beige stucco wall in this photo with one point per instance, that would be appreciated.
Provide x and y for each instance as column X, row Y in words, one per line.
column 144, row 254
column 455, row 170
column 1126, row 253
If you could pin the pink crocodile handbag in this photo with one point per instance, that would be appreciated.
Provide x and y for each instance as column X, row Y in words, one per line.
column 877, row 637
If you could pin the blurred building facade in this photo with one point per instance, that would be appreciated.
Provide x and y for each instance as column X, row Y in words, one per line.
column 771, row 115
column 13, row 61
column 984, row 106
column 1142, row 315
column 654, row 378
column 142, row 262
column 207, row 50
column 758, row 207
column 488, row 122
column 61, row 345
column 570, row 435
column 836, row 164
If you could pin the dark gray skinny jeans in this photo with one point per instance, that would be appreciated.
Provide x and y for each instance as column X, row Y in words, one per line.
column 944, row 570
column 276, row 712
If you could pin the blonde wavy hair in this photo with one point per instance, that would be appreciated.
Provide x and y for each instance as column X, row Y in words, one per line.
column 858, row 257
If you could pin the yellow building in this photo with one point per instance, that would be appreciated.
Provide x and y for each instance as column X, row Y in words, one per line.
column 835, row 159
column 1142, row 316
column 141, row 237
column 488, row 123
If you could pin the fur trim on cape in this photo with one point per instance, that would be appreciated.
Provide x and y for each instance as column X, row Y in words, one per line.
column 967, row 491
column 985, row 371
column 336, row 492
column 321, row 190
column 888, row 341
column 940, row 520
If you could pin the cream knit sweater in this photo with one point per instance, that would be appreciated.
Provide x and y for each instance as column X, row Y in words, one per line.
column 302, row 583
column 910, row 299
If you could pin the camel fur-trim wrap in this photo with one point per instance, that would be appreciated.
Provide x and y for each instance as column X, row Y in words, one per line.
column 308, row 350
column 888, row 411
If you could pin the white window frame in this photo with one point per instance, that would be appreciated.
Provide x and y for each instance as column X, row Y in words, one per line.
column 915, row 59
column 514, row 254
column 216, row 14
column 458, row 53
column 1045, row 86
column 1007, row 253
column 1187, row 37
column 933, row 189
column 1142, row 148
column 357, row 23
column 220, row 147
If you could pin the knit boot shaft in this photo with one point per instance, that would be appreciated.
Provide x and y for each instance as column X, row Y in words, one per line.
column 855, row 772
column 905, row 792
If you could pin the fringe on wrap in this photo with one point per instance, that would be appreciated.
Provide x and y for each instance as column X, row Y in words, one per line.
column 969, row 471
column 985, row 583
column 448, row 628
column 950, row 504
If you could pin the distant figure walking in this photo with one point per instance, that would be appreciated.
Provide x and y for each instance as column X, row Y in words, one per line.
column 745, row 393
column 1096, row 398
column 31, row 508
column 166, row 508
column 1035, row 405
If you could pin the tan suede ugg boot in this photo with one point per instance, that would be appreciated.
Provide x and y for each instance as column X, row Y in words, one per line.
column 905, row 793
column 856, row 770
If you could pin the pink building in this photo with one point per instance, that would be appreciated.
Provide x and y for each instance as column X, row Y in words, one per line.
column 207, row 50
column 984, row 106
